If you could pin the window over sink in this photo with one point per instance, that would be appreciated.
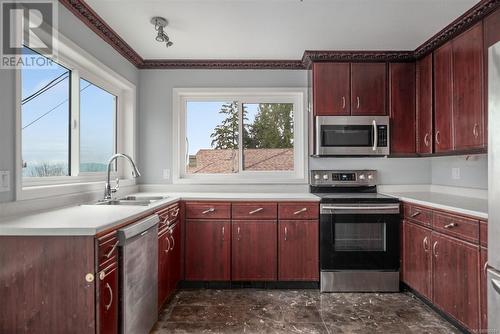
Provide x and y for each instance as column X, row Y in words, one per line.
column 241, row 135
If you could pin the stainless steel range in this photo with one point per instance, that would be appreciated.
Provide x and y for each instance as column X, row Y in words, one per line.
column 359, row 232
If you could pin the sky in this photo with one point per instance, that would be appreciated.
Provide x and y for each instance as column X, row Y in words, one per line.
column 45, row 134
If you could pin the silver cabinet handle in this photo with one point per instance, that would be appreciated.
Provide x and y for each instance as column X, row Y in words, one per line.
column 111, row 250
column 173, row 241
column 416, row 213
column 426, row 139
column 375, row 135
column 208, row 211
column 425, row 244
column 475, row 131
column 255, row 211
column 438, row 135
column 166, row 221
column 451, row 225
column 176, row 212
column 343, row 102
column 434, row 249
column 107, row 306
column 300, row 211
column 358, row 102
column 485, row 268
column 286, row 233
column 168, row 247
column 239, row 238
column 223, row 232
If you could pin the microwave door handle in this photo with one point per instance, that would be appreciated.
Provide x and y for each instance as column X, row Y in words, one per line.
column 375, row 135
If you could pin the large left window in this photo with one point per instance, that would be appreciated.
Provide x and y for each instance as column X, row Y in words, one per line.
column 68, row 122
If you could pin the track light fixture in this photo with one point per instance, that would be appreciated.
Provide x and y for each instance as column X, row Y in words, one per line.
column 160, row 23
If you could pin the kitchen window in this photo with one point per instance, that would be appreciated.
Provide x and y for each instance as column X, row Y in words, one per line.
column 73, row 115
column 244, row 135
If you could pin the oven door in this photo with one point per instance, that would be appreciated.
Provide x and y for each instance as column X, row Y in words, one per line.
column 353, row 135
column 359, row 237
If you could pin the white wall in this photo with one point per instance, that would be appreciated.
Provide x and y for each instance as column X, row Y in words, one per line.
column 155, row 106
column 76, row 31
column 473, row 171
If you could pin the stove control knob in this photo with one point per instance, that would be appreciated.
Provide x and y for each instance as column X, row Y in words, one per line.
column 316, row 176
column 362, row 176
column 370, row 177
column 325, row 176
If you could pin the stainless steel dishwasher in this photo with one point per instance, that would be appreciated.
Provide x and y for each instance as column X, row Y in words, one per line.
column 138, row 276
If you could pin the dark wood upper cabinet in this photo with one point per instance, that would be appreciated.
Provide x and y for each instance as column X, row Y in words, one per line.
column 208, row 250
column 443, row 98
column 402, row 108
column 456, row 279
column 331, row 89
column 425, row 138
column 368, row 89
column 492, row 29
column 254, row 250
column 417, row 262
column 468, row 95
column 298, row 250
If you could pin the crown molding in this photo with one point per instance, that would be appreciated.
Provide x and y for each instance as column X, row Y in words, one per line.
column 92, row 20
column 222, row 64
column 461, row 24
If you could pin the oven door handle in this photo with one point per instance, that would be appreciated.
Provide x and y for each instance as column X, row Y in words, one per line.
column 375, row 135
column 360, row 209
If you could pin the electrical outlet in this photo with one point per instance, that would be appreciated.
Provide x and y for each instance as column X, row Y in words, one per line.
column 455, row 173
column 4, row 181
column 166, row 174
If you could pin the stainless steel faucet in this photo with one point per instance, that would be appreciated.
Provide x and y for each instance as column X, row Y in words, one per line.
column 135, row 173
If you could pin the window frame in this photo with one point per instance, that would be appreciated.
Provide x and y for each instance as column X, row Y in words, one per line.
column 297, row 96
column 81, row 65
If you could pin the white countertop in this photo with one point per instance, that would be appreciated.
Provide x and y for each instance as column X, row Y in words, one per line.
column 92, row 219
column 471, row 206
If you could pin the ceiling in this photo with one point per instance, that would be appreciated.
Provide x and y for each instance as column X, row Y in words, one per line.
column 276, row 29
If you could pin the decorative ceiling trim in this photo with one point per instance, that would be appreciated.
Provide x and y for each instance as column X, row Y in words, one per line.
column 92, row 20
column 222, row 64
column 356, row 56
column 464, row 22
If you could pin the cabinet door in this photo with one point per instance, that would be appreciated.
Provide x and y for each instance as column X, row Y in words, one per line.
column 331, row 89
column 108, row 300
column 443, row 98
column 254, row 255
column 417, row 259
column 174, row 258
column 468, row 114
column 298, row 258
column 402, row 108
column 163, row 249
column 425, row 136
column 208, row 247
column 456, row 279
column 368, row 89
column 484, row 289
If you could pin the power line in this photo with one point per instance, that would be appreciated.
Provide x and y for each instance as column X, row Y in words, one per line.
column 51, row 110
column 44, row 88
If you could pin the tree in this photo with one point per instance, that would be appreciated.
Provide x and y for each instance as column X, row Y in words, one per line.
column 273, row 126
column 225, row 135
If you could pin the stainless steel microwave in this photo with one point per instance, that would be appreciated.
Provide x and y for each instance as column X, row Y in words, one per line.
column 352, row 135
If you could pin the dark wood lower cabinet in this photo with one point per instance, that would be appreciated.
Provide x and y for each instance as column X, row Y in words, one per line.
column 163, row 248
column 298, row 248
column 484, row 289
column 417, row 262
column 107, row 299
column 174, row 258
column 456, row 279
column 254, row 250
column 208, row 250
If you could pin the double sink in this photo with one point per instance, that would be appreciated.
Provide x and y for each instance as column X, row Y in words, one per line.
column 133, row 200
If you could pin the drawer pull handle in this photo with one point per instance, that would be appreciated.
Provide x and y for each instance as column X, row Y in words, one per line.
column 176, row 212
column 239, row 238
column 286, row 233
column 425, row 244
column 300, row 211
column 416, row 213
column 107, row 306
column 107, row 255
column 426, row 139
column 451, row 225
column 343, row 102
column 223, row 230
column 434, row 249
column 358, row 102
column 208, row 211
column 255, row 211
column 166, row 221
column 168, row 246
column 173, row 241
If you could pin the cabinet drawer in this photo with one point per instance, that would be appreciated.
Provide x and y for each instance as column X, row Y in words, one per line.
column 255, row 210
column 483, row 233
column 307, row 210
column 107, row 249
column 168, row 216
column 418, row 214
column 208, row 210
column 456, row 226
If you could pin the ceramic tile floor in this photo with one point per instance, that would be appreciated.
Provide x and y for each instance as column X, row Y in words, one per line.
column 297, row 311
